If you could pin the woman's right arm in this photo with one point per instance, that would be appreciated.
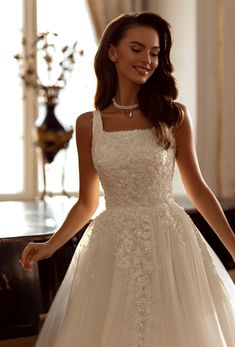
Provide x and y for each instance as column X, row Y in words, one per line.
column 83, row 209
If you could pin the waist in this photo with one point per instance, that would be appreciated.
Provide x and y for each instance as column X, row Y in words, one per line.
column 138, row 206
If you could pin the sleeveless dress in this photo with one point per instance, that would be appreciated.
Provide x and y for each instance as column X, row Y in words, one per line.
column 142, row 274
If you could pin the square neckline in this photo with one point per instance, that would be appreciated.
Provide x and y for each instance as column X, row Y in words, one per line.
column 122, row 130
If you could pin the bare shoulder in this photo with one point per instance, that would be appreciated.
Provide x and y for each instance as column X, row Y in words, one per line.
column 183, row 107
column 84, row 125
column 184, row 133
column 84, row 120
column 184, row 112
column 185, row 124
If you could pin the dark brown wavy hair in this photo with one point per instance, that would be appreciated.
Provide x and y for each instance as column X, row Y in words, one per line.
column 156, row 96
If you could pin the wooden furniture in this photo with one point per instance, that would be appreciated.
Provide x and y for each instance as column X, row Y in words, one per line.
column 23, row 295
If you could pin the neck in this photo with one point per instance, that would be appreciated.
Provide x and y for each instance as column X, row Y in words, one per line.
column 127, row 95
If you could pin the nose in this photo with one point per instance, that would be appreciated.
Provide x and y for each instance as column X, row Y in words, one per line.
column 146, row 58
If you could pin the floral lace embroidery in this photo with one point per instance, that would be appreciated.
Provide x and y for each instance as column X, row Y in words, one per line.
column 171, row 221
column 134, row 169
column 133, row 258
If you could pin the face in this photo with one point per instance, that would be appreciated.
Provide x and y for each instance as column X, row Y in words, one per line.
column 136, row 55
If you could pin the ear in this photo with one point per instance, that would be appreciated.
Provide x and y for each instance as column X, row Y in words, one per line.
column 112, row 54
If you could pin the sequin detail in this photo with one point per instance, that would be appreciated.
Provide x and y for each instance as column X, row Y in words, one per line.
column 133, row 243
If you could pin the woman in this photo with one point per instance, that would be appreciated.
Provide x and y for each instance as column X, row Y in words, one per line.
column 142, row 275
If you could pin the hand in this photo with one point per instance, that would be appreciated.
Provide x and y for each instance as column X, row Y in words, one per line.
column 33, row 252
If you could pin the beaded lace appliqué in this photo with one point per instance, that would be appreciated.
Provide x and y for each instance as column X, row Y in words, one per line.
column 134, row 245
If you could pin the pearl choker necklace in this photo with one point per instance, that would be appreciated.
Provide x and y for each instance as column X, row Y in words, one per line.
column 130, row 108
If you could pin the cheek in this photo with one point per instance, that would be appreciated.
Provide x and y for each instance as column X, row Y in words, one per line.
column 122, row 61
column 155, row 64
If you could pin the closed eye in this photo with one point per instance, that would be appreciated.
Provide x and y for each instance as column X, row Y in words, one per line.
column 138, row 50
column 155, row 54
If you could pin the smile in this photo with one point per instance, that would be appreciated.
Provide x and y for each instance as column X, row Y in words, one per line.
column 142, row 70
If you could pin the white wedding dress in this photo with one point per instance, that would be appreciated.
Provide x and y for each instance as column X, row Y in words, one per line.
column 142, row 274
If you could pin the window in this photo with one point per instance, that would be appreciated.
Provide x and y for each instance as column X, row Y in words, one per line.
column 12, row 123
column 70, row 19
column 72, row 23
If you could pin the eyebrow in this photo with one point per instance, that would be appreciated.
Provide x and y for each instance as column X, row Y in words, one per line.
column 141, row 44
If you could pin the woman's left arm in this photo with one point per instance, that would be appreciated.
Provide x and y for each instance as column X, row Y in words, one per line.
column 198, row 191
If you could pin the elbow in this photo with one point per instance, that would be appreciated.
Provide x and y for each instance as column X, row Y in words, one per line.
column 88, row 207
column 198, row 192
column 94, row 208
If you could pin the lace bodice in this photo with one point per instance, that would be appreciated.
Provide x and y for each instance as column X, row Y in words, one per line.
column 134, row 169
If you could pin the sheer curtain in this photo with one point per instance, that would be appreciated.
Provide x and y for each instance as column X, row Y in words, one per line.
column 228, row 129
column 103, row 11
column 216, row 90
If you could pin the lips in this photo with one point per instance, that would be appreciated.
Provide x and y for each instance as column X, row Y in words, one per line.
column 141, row 69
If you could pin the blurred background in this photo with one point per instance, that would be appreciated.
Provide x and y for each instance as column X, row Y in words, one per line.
column 203, row 56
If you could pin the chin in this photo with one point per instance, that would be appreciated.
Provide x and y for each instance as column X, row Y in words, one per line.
column 141, row 80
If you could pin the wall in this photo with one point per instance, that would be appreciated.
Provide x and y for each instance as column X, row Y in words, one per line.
column 181, row 14
column 207, row 105
column 228, row 130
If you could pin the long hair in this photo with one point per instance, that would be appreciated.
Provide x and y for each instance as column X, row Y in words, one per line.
column 156, row 96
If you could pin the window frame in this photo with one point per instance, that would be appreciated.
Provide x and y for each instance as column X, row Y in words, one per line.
column 30, row 112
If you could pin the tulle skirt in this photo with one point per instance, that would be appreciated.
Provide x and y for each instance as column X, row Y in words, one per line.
column 142, row 277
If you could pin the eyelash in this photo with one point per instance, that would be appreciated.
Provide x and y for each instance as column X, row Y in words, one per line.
column 136, row 50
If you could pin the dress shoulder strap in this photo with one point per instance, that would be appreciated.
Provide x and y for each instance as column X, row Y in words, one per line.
column 97, row 126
